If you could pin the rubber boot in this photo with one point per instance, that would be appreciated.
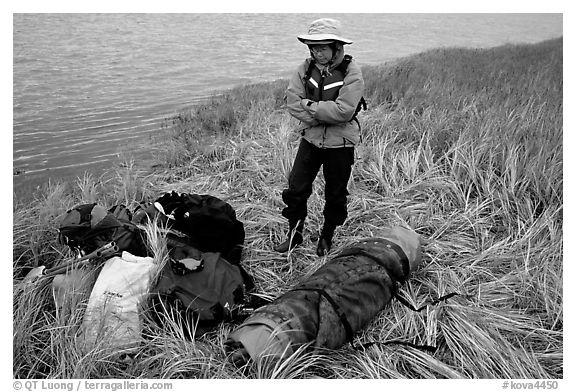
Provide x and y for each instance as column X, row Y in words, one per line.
column 325, row 240
column 294, row 238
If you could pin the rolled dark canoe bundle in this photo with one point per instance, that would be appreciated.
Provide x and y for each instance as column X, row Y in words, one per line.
column 335, row 302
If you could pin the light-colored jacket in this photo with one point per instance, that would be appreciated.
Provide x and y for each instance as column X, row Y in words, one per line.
column 327, row 124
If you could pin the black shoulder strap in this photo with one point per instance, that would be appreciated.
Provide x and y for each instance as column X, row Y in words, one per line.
column 362, row 103
column 343, row 66
column 308, row 73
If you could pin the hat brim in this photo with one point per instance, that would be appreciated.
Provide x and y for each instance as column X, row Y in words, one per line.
column 321, row 38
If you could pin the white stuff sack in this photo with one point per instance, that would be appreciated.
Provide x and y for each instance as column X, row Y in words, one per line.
column 112, row 317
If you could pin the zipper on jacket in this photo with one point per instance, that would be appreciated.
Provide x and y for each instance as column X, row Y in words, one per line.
column 320, row 90
column 321, row 85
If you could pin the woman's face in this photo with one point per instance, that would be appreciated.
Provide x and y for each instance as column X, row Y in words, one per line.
column 322, row 53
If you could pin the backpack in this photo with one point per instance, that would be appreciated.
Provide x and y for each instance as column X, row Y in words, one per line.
column 87, row 227
column 342, row 67
column 204, row 222
column 201, row 297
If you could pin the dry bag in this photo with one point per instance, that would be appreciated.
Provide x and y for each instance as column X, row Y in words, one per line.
column 335, row 302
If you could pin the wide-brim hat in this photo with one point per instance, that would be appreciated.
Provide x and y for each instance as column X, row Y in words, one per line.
column 323, row 31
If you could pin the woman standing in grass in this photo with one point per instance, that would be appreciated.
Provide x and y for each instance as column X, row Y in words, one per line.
column 323, row 94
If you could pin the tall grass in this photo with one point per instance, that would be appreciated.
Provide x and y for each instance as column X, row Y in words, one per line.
column 464, row 146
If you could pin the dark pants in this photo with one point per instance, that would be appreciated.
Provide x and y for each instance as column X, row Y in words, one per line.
column 336, row 165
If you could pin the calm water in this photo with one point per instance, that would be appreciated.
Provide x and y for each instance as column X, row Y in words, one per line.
column 85, row 85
